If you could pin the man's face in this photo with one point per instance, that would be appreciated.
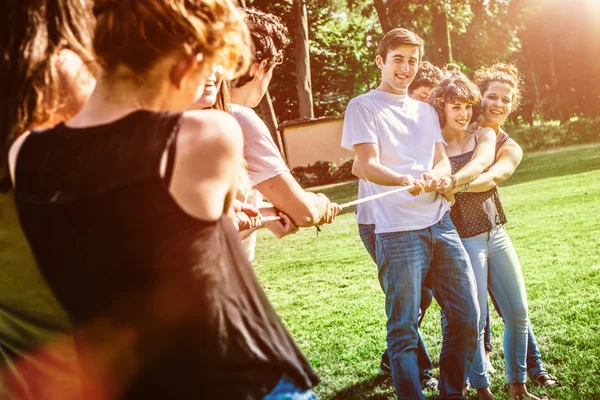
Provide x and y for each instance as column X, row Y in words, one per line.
column 421, row 93
column 399, row 68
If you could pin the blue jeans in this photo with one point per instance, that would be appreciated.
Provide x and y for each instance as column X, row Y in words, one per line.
column 496, row 266
column 535, row 367
column 287, row 390
column 367, row 235
column 405, row 260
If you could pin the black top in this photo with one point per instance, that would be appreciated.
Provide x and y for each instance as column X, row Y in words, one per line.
column 476, row 213
column 168, row 302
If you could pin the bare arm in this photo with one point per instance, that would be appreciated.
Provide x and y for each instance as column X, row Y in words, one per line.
column 304, row 208
column 508, row 159
column 209, row 147
column 373, row 171
column 483, row 156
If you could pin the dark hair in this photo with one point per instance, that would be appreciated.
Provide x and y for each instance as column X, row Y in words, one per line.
column 269, row 37
column 428, row 75
column 33, row 33
column 397, row 37
column 137, row 33
column 500, row 72
column 454, row 89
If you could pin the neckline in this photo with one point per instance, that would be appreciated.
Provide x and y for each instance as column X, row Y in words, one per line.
column 63, row 130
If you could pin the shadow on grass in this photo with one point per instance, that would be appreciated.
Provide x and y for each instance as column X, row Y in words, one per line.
column 366, row 390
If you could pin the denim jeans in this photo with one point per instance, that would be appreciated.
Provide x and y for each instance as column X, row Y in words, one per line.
column 497, row 267
column 535, row 367
column 367, row 235
column 405, row 260
column 287, row 390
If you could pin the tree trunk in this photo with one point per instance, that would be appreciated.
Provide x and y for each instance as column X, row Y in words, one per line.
column 382, row 14
column 440, row 33
column 551, row 62
column 268, row 114
column 305, row 100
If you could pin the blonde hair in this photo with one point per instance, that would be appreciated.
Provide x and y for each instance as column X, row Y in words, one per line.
column 137, row 33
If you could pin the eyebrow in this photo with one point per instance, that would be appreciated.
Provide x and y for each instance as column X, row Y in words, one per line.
column 401, row 56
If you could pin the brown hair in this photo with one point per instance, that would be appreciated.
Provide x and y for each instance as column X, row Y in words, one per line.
column 137, row 33
column 456, row 88
column 33, row 36
column 428, row 75
column 501, row 72
column 397, row 37
column 269, row 37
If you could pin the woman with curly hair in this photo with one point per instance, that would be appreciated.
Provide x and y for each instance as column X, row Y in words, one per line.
column 479, row 219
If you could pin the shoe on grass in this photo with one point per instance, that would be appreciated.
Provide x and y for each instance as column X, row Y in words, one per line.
column 546, row 380
column 384, row 365
column 429, row 383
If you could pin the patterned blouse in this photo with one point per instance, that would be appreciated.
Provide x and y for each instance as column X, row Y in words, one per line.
column 476, row 213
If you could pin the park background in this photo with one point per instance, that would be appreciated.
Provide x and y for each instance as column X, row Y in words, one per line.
column 325, row 287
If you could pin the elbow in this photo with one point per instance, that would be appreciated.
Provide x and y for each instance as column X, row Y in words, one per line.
column 307, row 216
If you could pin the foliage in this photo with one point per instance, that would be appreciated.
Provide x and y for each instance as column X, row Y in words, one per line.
column 553, row 134
column 323, row 173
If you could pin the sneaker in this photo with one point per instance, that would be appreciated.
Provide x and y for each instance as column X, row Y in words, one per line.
column 546, row 380
column 384, row 366
column 429, row 383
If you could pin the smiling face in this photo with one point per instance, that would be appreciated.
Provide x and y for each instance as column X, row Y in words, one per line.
column 458, row 115
column 211, row 89
column 399, row 68
column 497, row 102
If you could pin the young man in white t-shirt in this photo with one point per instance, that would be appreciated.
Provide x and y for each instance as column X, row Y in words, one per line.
column 398, row 142
column 267, row 170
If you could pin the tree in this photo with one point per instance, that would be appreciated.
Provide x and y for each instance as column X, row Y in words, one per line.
column 305, row 98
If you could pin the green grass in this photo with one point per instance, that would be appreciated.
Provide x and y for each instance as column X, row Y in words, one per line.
column 326, row 289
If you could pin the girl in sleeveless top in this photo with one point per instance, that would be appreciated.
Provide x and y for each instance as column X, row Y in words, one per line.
column 47, row 74
column 479, row 218
column 124, row 207
column 454, row 99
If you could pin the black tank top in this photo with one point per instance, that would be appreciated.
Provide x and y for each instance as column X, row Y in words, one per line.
column 474, row 213
column 168, row 302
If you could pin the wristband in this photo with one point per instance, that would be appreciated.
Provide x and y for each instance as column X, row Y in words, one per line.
column 465, row 188
column 454, row 180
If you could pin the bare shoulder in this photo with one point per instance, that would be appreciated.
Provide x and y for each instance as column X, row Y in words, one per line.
column 13, row 154
column 511, row 150
column 207, row 131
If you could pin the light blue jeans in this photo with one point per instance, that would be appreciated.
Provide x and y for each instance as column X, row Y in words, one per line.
column 287, row 390
column 405, row 260
column 495, row 263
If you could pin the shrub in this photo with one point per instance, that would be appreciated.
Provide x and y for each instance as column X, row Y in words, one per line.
column 323, row 173
column 550, row 135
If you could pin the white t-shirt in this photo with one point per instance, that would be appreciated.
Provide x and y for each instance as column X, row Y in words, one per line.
column 262, row 156
column 405, row 131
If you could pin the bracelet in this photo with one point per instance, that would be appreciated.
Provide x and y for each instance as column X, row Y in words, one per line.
column 454, row 180
column 465, row 188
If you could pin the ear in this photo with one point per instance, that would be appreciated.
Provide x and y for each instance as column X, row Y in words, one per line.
column 261, row 68
column 183, row 68
column 379, row 61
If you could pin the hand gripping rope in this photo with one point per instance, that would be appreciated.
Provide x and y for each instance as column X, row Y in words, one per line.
column 354, row 202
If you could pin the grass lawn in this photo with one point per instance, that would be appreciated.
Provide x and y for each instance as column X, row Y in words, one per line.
column 326, row 288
